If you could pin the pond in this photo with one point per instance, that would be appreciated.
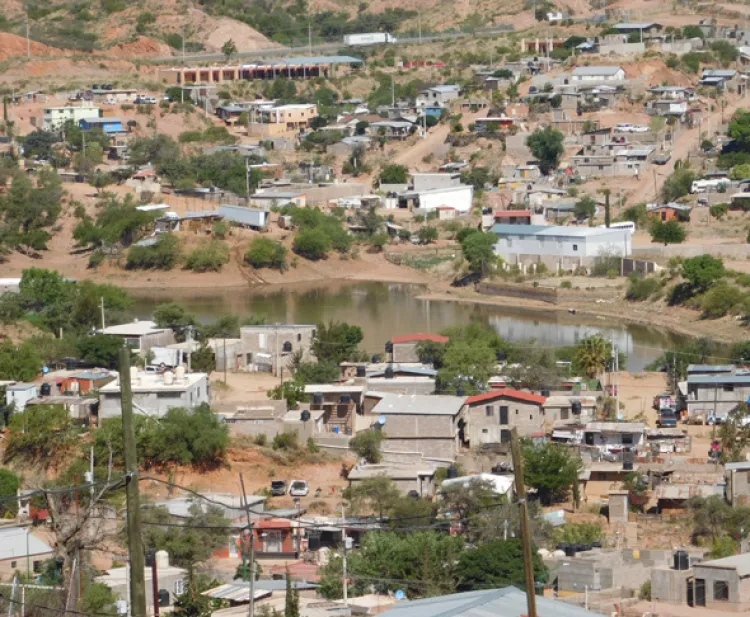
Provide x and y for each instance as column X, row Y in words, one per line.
column 384, row 310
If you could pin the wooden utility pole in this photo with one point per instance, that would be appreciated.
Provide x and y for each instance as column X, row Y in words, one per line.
column 251, row 596
column 135, row 541
column 528, row 563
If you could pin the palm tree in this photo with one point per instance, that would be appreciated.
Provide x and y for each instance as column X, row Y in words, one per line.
column 593, row 354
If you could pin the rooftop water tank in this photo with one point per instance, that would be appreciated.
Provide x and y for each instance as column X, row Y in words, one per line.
column 681, row 560
column 179, row 373
column 168, row 378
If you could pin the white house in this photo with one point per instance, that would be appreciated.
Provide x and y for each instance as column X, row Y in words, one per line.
column 458, row 197
column 140, row 335
column 19, row 394
column 598, row 73
column 54, row 117
column 154, row 395
column 559, row 246
column 608, row 436
column 438, row 95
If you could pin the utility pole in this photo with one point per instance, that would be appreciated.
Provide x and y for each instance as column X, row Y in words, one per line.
column 247, row 177
column 225, row 360
column 309, row 36
column 135, row 542
column 28, row 42
column 343, row 570
column 251, row 604
column 155, row 583
column 528, row 564
column 393, row 92
column 102, row 307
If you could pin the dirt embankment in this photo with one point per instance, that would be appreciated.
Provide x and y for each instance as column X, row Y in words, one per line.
column 12, row 46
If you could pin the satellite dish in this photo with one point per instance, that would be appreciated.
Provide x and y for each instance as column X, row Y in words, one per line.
column 305, row 415
column 400, row 595
column 381, row 420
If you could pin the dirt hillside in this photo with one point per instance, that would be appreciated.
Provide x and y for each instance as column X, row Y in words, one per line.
column 12, row 46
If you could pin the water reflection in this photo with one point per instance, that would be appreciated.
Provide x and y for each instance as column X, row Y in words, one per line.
column 384, row 310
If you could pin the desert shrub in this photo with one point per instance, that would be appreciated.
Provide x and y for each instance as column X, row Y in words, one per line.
column 163, row 255
column 313, row 244
column 285, row 441
column 209, row 257
column 266, row 253
column 720, row 300
column 640, row 289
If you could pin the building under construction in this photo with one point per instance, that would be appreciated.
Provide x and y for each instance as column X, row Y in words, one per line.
column 306, row 67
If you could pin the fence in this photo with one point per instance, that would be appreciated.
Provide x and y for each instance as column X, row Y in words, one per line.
column 543, row 294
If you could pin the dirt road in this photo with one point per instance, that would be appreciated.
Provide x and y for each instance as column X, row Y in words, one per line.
column 682, row 147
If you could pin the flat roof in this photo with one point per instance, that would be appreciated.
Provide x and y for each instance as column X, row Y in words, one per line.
column 100, row 120
column 718, row 379
column 593, row 71
column 326, row 388
column 419, row 404
column 551, row 230
column 134, row 328
column 615, row 427
column 148, row 382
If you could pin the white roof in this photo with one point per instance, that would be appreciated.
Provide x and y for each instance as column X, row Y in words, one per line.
column 419, row 404
column 501, row 484
column 148, row 382
column 13, row 543
column 595, row 71
column 321, row 388
column 741, row 563
column 134, row 328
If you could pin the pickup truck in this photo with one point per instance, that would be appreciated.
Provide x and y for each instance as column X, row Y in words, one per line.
column 667, row 419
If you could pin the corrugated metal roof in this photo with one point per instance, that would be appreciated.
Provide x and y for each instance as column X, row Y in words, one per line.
column 15, row 540
column 710, row 368
column 244, row 216
column 419, row 404
column 506, row 602
column 741, row 563
column 615, row 427
column 321, row 60
column 552, row 230
column 635, row 26
column 717, row 379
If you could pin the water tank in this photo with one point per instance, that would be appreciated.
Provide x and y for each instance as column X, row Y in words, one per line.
column 179, row 373
column 377, row 359
column 305, row 415
column 389, row 347
column 150, row 557
column 162, row 560
column 168, row 378
column 317, row 398
column 546, row 393
column 681, row 560
column 133, row 374
column 575, row 407
column 389, row 372
column 596, row 544
column 46, row 389
column 361, row 372
column 163, row 597
column 452, row 472
column 460, row 391
column 571, row 550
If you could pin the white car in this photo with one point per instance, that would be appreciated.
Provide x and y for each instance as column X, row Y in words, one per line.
column 299, row 488
column 624, row 128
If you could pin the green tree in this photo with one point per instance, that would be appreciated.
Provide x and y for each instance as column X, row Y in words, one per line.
column 229, row 49
column 394, row 174
column 678, row 184
column 163, row 255
column 367, row 445
column 466, row 364
column 19, row 362
column 101, row 180
column 702, row 271
column 376, row 494
column 739, row 129
column 266, row 253
column 100, row 349
column 210, row 256
column 692, row 32
column 174, row 316
column 669, row 232
column 336, row 342
column 496, row 564
column 427, row 234
column 479, row 250
column 192, row 540
column 99, row 599
column 312, row 244
column 547, row 147
column 431, row 352
column 291, row 600
column 9, row 485
column 159, row 150
column 42, row 434
column 551, row 469
column 740, row 172
column 585, row 208
column 592, row 355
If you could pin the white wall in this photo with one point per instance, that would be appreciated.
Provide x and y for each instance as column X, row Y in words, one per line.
column 458, row 198
column 610, row 241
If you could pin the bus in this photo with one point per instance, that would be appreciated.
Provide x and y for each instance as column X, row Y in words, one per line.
column 629, row 225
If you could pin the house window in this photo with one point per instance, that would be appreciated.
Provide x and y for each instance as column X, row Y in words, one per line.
column 489, row 411
column 179, row 587
column 299, row 338
column 37, row 566
column 485, row 430
column 627, row 439
column 505, row 436
column 503, row 415
column 575, row 247
column 13, row 564
column 721, row 591
column 728, row 388
column 563, row 414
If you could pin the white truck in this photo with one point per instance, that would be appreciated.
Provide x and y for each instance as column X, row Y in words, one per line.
column 705, row 186
column 369, row 38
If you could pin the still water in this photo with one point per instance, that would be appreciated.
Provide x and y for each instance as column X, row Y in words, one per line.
column 384, row 310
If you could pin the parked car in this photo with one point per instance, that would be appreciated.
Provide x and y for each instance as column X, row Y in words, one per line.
column 145, row 100
column 299, row 488
column 278, row 488
column 667, row 418
column 106, row 86
column 662, row 159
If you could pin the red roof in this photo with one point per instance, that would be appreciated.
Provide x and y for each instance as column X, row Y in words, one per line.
column 416, row 338
column 506, row 213
column 520, row 395
column 275, row 523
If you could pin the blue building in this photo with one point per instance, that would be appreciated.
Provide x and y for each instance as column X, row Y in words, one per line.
column 108, row 125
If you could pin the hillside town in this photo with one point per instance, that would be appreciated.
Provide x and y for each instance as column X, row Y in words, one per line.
column 319, row 313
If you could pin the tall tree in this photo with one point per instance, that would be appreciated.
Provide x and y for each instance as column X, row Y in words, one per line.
column 336, row 342
column 547, row 147
column 496, row 564
column 592, row 355
column 551, row 469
